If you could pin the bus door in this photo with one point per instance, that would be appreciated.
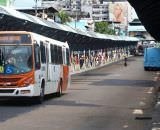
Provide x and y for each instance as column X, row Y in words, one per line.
column 53, row 66
column 37, row 60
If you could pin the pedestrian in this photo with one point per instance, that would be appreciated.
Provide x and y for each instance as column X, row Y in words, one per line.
column 125, row 60
column 81, row 60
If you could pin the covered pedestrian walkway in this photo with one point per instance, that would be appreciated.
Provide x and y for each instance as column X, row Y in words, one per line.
column 12, row 20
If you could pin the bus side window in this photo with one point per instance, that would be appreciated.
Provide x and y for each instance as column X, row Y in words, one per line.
column 56, row 57
column 67, row 57
column 37, row 57
column 43, row 52
column 59, row 53
column 52, row 54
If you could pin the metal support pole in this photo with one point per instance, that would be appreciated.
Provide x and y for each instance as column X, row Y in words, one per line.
column 36, row 7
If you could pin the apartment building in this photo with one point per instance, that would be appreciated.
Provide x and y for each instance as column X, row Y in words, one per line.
column 100, row 12
column 67, row 5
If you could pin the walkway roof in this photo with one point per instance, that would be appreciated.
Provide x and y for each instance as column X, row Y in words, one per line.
column 12, row 20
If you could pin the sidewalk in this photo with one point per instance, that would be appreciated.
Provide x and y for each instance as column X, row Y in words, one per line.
column 92, row 68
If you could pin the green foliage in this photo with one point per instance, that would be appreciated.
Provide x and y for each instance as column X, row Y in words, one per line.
column 64, row 17
column 103, row 27
column 157, row 45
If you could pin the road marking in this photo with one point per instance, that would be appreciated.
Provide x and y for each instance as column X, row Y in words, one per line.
column 143, row 98
column 158, row 103
column 150, row 90
column 156, row 123
column 125, row 126
column 155, row 128
column 115, row 75
column 156, row 78
column 141, row 103
column 138, row 111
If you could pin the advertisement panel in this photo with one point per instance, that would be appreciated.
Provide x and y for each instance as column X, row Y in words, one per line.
column 118, row 12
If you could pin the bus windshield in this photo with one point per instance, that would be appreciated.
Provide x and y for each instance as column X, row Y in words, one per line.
column 15, row 59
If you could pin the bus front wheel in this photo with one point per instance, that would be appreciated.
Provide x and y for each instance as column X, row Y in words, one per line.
column 40, row 98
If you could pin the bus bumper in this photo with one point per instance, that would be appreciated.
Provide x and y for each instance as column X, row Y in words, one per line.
column 28, row 91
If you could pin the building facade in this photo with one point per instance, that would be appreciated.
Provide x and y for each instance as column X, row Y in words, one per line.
column 117, row 12
column 100, row 12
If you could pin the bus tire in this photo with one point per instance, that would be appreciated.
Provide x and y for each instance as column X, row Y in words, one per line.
column 40, row 98
column 59, row 93
column 146, row 68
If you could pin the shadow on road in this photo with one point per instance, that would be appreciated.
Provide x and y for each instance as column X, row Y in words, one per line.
column 70, row 103
column 14, row 108
column 123, row 82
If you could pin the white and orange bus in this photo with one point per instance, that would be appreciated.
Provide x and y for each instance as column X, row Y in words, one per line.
column 32, row 65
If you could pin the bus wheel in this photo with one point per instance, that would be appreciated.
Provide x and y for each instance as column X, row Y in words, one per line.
column 40, row 98
column 146, row 68
column 59, row 93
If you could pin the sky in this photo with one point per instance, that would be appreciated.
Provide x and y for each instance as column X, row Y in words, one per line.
column 25, row 3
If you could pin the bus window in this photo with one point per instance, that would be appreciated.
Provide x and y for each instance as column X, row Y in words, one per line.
column 55, row 54
column 52, row 53
column 1, row 61
column 37, row 56
column 15, row 59
column 43, row 52
column 67, row 57
column 60, row 60
column 29, row 61
column 64, row 56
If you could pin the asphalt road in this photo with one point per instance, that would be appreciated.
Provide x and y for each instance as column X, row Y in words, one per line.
column 114, row 97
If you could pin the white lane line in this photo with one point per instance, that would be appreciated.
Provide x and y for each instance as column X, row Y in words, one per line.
column 125, row 126
column 141, row 103
column 150, row 90
column 137, row 111
column 155, row 128
column 156, row 123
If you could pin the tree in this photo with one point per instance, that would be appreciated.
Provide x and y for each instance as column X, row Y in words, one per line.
column 64, row 17
column 103, row 27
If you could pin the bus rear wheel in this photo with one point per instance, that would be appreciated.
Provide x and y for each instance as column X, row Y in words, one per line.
column 146, row 68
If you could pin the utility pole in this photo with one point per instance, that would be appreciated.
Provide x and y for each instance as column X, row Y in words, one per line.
column 36, row 7
column 113, row 27
column 76, row 18
column 77, row 10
